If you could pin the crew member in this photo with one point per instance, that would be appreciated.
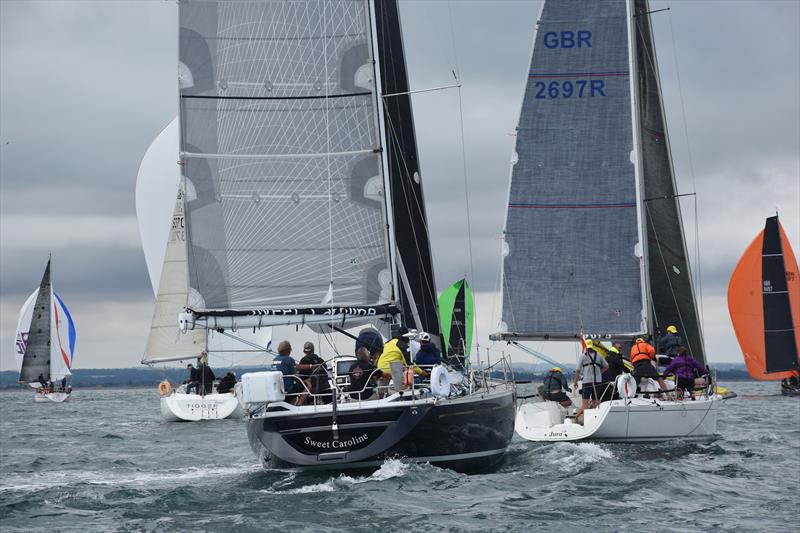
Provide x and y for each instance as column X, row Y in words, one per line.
column 643, row 357
column 553, row 387
column 227, row 383
column 590, row 370
column 307, row 371
column 205, row 377
column 191, row 381
column 686, row 369
column 616, row 366
column 362, row 376
column 284, row 363
column 395, row 351
column 669, row 343
column 428, row 355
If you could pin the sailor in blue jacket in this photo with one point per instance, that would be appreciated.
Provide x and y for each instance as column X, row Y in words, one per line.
column 428, row 355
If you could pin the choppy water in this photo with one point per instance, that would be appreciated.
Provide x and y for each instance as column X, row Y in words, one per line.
column 106, row 461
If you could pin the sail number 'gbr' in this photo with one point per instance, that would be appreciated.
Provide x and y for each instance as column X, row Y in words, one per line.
column 570, row 88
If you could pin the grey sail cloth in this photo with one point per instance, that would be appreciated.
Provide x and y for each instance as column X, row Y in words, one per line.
column 36, row 360
column 671, row 292
column 572, row 227
column 285, row 202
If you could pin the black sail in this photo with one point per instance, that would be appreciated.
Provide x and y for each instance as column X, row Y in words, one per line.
column 672, row 295
column 36, row 360
column 779, row 340
column 410, row 221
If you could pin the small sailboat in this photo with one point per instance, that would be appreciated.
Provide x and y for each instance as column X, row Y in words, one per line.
column 45, row 343
column 764, row 303
column 593, row 244
column 162, row 228
column 298, row 139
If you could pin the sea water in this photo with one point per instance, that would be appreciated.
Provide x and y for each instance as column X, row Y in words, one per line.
column 105, row 461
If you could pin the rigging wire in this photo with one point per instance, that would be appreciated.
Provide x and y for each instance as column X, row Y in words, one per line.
column 456, row 75
column 699, row 281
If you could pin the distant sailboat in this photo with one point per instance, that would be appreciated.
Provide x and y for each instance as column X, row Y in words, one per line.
column 45, row 343
column 764, row 303
column 165, row 254
column 594, row 241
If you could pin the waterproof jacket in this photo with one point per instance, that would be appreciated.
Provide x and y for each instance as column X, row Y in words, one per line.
column 428, row 355
column 554, row 382
column 684, row 367
column 642, row 351
column 668, row 344
column 616, row 366
column 392, row 352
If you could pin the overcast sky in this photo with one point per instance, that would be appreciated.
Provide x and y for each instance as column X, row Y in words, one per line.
column 86, row 86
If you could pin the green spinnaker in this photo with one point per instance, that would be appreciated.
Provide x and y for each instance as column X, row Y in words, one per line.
column 456, row 316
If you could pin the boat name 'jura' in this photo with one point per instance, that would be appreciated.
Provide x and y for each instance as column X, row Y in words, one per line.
column 336, row 444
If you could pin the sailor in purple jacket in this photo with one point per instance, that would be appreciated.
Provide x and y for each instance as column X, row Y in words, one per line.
column 685, row 368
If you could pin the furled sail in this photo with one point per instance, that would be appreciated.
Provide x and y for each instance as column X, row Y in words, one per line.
column 281, row 149
column 573, row 261
column 764, row 304
column 457, row 314
column 37, row 350
column 671, row 291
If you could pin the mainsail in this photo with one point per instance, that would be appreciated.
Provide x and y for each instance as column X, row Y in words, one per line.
column 294, row 163
column 764, row 304
column 36, row 359
column 593, row 177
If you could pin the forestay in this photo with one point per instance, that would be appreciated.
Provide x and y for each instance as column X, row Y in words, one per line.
column 573, row 261
column 281, row 153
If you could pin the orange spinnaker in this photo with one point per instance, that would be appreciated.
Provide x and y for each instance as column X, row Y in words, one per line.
column 745, row 304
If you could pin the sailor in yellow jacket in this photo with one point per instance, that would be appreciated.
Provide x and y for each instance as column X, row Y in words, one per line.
column 395, row 350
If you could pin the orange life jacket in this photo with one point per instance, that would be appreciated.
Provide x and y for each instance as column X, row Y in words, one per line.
column 642, row 351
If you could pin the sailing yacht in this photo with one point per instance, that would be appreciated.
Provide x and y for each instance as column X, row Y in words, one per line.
column 45, row 343
column 593, row 244
column 160, row 211
column 297, row 138
column 764, row 303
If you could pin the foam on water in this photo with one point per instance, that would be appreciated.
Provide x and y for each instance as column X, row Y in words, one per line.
column 391, row 468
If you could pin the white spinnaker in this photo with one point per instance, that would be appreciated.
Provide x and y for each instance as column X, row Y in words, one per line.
column 23, row 326
column 156, row 185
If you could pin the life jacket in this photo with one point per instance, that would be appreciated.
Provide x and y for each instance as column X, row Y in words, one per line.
column 642, row 351
column 548, row 382
column 593, row 362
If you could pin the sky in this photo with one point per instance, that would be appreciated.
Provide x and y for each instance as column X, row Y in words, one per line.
column 86, row 86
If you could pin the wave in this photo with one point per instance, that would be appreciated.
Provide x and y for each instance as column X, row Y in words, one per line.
column 391, row 468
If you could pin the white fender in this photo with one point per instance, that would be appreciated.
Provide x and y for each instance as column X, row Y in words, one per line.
column 440, row 383
column 626, row 385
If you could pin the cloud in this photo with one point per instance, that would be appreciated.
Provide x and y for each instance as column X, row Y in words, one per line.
column 85, row 86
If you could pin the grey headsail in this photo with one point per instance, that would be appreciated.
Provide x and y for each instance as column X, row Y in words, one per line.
column 780, row 346
column 572, row 254
column 282, row 155
column 672, row 294
column 36, row 360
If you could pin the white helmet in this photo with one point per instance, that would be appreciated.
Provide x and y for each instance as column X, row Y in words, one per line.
column 425, row 337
